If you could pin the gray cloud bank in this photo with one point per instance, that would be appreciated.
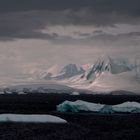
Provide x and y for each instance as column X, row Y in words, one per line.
column 126, row 7
column 25, row 19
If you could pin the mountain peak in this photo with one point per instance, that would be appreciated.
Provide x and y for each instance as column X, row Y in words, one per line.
column 105, row 64
column 67, row 71
column 70, row 69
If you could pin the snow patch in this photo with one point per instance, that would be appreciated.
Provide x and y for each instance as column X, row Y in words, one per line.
column 75, row 93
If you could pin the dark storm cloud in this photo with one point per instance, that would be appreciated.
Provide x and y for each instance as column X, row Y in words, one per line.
column 101, row 6
column 23, row 25
column 25, row 18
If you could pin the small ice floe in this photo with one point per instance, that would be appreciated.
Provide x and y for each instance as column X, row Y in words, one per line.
column 31, row 118
column 126, row 107
column 75, row 93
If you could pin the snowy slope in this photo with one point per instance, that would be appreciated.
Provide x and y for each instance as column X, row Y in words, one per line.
column 110, row 82
column 107, row 82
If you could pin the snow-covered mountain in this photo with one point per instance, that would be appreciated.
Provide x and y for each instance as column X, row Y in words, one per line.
column 106, row 75
column 66, row 72
column 105, row 65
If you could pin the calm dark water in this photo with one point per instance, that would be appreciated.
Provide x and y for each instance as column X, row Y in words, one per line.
column 81, row 126
column 43, row 103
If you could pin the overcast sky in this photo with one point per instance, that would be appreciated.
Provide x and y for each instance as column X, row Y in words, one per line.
column 36, row 34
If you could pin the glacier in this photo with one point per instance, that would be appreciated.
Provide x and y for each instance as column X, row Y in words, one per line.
column 37, row 87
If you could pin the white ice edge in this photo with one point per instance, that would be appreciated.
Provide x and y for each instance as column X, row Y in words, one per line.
column 31, row 118
column 126, row 107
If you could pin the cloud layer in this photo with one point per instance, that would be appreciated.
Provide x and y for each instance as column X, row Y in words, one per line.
column 35, row 34
column 24, row 19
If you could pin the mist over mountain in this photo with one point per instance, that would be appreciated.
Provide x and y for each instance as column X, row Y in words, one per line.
column 106, row 74
column 88, row 71
column 67, row 71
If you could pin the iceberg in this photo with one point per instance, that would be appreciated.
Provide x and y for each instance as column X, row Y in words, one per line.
column 22, row 118
column 79, row 105
column 127, row 107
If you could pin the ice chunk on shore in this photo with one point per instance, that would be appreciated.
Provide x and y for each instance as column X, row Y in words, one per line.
column 31, row 118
